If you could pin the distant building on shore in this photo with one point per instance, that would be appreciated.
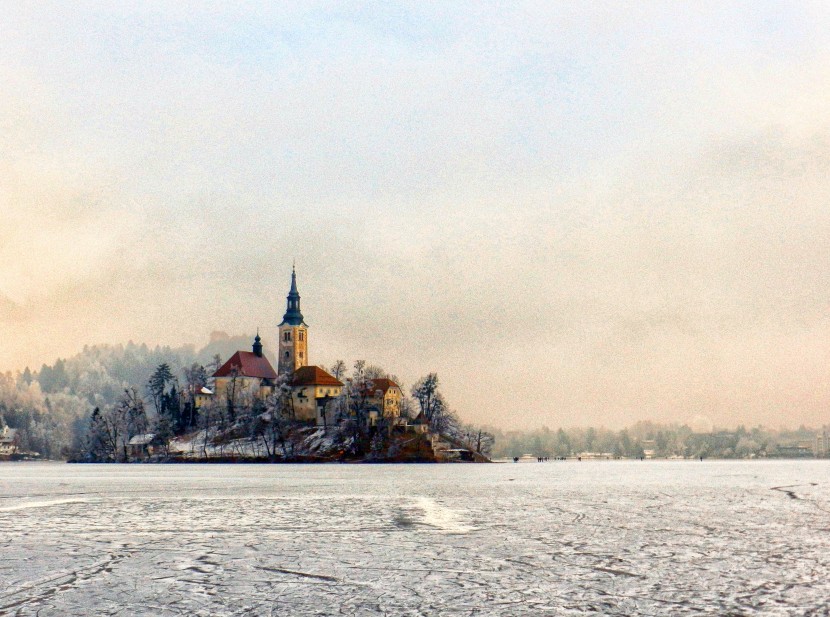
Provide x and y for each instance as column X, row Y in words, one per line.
column 795, row 450
column 822, row 448
column 8, row 441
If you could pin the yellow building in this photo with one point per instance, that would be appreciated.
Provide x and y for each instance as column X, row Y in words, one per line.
column 385, row 396
column 312, row 390
column 292, row 352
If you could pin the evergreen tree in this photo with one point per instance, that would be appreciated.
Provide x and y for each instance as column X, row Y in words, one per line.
column 157, row 385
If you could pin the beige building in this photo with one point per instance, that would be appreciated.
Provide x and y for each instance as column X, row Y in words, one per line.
column 312, row 390
column 822, row 449
column 202, row 396
column 8, row 441
column 245, row 376
column 385, row 396
column 292, row 350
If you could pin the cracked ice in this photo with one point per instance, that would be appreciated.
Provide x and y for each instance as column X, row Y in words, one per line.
column 558, row 538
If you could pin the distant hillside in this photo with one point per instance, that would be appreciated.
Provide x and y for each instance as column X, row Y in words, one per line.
column 50, row 405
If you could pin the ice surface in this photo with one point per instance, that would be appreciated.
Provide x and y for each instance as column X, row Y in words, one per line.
column 557, row 538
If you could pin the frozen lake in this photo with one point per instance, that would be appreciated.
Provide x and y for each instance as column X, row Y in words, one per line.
column 557, row 538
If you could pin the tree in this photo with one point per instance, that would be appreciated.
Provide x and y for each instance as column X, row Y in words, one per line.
column 475, row 438
column 96, row 444
column 53, row 379
column 338, row 370
column 424, row 392
column 214, row 365
column 131, row 409
column 274, row 424
column 234, row 393
column 373, row 371
column 358, row 401
column 484, row 441
column 210, row 416
column 431, row 404
column 563, row 444
column 172, row 410
column 195, row 379
column 158, row 384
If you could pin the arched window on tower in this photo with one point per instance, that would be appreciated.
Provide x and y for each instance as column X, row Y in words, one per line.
column 286, row 336
column 302, row 335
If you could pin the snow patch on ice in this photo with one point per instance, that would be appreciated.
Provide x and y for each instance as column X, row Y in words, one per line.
column 441, row 517
column 42, row 504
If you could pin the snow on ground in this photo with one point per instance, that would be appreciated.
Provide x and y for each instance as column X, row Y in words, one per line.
column 557, row 538
column 307, row 441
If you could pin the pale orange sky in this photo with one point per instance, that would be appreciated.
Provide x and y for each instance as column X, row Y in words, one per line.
column 574, row 215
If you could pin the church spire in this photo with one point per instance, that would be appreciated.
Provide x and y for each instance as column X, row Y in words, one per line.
column 257, row 345
column 293, row 316
column 294, row 281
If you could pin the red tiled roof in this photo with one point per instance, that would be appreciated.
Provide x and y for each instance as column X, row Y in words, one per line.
column 382, row 384
column 314, row 376
column 249, row 365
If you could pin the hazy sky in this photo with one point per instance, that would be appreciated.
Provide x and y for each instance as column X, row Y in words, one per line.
column 575, row 214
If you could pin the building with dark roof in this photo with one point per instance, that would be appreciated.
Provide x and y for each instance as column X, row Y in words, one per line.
column 292, row 349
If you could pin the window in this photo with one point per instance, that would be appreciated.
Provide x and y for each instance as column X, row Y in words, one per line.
column 302, row 335
column 286, row 336
column 287, row 354
column 301, row 355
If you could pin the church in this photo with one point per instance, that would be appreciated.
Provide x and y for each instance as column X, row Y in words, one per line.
column 249, row 375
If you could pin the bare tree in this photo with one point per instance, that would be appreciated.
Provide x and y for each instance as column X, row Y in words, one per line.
column 338, row 370
column 211, row 416
column 373, row 371
column 234, row 393
column 274, row 424
column 431, row 404
column 475, row 438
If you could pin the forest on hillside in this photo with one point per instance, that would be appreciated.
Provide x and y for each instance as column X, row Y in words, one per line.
column 649, row 439
column 52, row 408
column 88, row 407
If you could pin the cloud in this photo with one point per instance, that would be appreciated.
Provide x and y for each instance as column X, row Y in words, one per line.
column 573, row 214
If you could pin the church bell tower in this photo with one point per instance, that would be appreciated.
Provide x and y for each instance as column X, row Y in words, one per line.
column 293, row 334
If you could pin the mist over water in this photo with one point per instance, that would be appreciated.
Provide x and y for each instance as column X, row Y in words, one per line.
column 610, row 538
